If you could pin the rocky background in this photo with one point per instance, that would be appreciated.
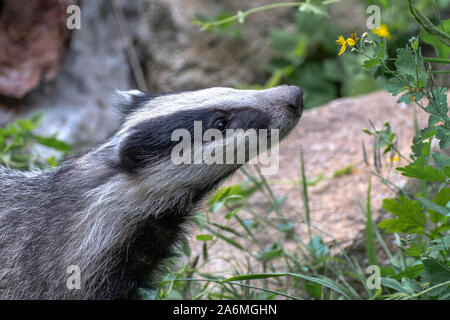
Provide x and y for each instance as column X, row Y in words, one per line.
column 173, row 54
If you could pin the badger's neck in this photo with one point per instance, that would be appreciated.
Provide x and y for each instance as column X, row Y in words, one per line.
column 127, row 226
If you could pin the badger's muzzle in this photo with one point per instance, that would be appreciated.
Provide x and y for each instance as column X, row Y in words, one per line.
column 295, row 99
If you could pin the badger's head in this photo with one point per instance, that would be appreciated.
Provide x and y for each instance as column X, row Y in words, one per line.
column 163, row 137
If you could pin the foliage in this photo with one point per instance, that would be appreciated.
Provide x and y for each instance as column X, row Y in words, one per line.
column 19, row 145
column 423, row 270
column 306, row 55
column 419, row 266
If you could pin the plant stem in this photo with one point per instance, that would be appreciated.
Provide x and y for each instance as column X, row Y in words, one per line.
column 243, row 285
column 437, row 60
column 446, row 283
column 244, row 14
column 428, row 25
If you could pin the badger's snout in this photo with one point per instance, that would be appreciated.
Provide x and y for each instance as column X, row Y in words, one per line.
column 295, row 99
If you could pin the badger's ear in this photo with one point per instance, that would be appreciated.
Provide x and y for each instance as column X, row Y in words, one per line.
column 125, row 102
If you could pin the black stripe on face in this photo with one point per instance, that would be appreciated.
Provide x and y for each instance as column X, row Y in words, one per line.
column 150, row 140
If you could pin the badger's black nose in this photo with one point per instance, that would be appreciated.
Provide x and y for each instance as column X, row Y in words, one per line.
column 295, row 99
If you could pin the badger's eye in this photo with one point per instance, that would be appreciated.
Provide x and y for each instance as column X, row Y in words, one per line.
column 221, row 124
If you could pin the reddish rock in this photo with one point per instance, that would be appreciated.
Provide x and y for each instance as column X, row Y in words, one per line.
column 33, row 41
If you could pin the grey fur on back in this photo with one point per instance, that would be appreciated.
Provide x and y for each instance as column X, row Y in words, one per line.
column 117, row 220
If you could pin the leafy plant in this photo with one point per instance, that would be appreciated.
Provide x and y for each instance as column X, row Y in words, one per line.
column 423, row 270
column 19, row 145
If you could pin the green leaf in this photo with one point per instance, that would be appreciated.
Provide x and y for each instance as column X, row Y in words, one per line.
column 285, row 227
column 325, row 282
column 441, row 160
column 289, row 45
column 433, row 207
column 418, row 141
column 199, row 219
column 395, row 86
column 271, row 252
column 232, row 213
column 204, row 237
column 416, row 249
column 243, row 190
column 408, row 97
column 37, row 118
column 442, row 50
column 395, row 285
column 427, row 173
column 435, row 273
column 230, row 241
column 406, row 61
column 386, row 137
column 437, row 106
column 442, row 244
column 410, row 272
column 317, row 247
column 226, row 228
column 370, row 63
column 344, row 171
column 440, row 200
column 185, row 247
column 314, row 289
column 411, row 219
column 51, row 161
column 254, row 276
column 369, row 232
column 26, row 124
column 443, row 134
column 406, row 64
column 275, row 205
column 53, row 142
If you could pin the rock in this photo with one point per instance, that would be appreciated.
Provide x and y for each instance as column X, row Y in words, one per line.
column 174, row 53
column 34, row 39
column 77, row 103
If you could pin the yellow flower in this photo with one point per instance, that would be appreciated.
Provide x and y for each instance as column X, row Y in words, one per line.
column 351, row 42
column 382, row 31
column 395, row 159
column 343, row 43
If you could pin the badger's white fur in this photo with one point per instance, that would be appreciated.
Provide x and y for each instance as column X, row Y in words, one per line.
column 119, row 211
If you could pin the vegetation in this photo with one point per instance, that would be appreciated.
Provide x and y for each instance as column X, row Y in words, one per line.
column 21, row 148
column 276, row 262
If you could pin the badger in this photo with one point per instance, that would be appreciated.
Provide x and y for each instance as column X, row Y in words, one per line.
column 118, row 212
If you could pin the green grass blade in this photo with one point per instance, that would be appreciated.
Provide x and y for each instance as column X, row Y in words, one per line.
column 370, row 239
column 327, row 283
column 305, row 194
